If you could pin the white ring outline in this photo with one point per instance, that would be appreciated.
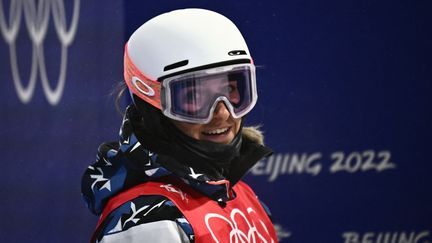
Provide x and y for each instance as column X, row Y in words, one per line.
column 36, row 21
column 236, row 235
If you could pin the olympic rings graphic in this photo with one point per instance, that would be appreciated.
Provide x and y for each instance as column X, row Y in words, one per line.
column 36, row 21
column 255, row 233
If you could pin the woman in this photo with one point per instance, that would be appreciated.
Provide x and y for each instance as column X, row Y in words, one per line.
column 175, row 174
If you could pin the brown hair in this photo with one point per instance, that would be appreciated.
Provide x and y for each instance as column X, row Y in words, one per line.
column 118, row 92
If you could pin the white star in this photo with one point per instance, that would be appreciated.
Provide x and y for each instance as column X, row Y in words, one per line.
column 155, row 206
column 100, row 178
column 107, row 163
column 134, row 214
column 150, row 154
column 151, row 172
column 135, row 146
column 116, row 228
column 107, row 185
column 193, row 174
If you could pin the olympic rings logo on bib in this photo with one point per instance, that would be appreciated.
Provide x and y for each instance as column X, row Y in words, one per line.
column 244, row 227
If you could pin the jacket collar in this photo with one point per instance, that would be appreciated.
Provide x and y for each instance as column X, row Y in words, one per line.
column 204, row 178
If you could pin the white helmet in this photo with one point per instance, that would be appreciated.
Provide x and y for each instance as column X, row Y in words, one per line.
column 164, row 50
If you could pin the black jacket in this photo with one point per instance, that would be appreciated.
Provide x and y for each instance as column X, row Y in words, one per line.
column 124, row 164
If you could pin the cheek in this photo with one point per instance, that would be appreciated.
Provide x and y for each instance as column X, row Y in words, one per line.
column 237, row 123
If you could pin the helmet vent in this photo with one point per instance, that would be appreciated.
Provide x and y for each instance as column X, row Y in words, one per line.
column 237, row 53
column 176, row 65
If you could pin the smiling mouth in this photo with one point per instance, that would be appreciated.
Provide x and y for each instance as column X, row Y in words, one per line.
column 216, row 132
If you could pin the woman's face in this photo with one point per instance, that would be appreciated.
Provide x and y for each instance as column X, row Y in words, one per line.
column 221, row 129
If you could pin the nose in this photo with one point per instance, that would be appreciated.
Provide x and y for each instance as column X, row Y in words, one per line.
column 221, row 112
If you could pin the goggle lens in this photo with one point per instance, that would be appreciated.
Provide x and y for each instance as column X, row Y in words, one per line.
column 193, row 96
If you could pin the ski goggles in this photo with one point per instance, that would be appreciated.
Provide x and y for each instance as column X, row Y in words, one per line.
column 193, row 96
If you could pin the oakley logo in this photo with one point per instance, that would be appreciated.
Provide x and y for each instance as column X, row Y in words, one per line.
column 138, row 83
column 237, row 53
column 36, row 17
column 242, row 230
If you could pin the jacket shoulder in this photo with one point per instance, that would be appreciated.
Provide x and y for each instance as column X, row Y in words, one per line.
column 151, row 217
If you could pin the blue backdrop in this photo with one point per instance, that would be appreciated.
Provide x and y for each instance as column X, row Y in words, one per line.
column 344, row 100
